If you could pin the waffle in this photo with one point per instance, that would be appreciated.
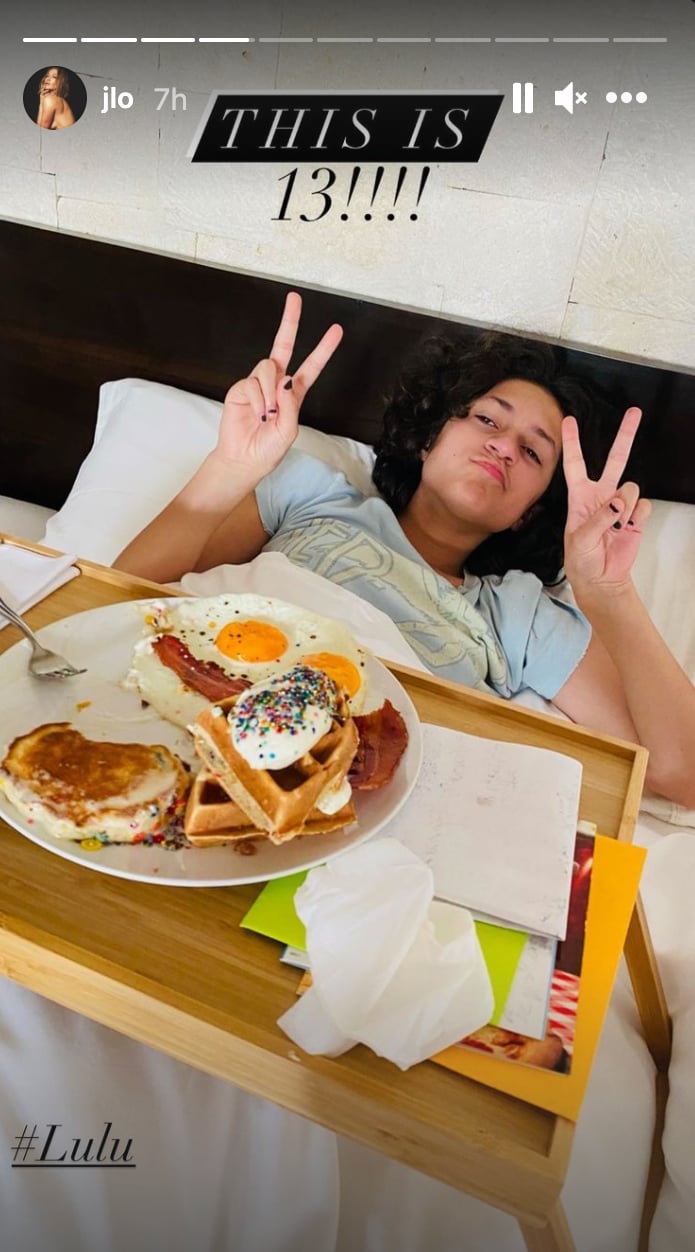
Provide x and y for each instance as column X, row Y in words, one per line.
column 277, row 801
column 212, row 818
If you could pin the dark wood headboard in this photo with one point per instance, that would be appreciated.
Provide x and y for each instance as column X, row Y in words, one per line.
column 76, row 313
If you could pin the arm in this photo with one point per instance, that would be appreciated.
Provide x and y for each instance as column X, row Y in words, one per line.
column 215, row 517
column 634, row 701
column 47, row 112
column 239, row 538
column 628, row 684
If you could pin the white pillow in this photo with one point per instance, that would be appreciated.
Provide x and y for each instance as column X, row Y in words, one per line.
column 26, row 521
column 663, row 575
column 148, row 441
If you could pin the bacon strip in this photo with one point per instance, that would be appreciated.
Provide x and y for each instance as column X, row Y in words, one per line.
column 206, row 677
column 383, row 740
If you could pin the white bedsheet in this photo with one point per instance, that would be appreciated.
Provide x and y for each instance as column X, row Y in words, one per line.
column 667, row 892
column 219, row 1170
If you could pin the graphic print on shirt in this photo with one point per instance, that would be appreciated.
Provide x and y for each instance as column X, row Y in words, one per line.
column 346, row 556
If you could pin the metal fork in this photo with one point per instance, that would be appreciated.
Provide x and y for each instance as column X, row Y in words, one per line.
column 42, row 663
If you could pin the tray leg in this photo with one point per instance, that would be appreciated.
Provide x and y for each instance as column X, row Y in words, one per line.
column 648, row 988
column 555, row 1236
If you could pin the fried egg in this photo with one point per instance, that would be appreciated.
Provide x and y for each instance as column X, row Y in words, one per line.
column 246, row 636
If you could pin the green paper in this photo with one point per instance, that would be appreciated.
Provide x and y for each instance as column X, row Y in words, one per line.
column 273, row 914
column 502, row 950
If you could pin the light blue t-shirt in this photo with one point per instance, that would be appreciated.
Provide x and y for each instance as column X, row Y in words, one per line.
column 500, row 633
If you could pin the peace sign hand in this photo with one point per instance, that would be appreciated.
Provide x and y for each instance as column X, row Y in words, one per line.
column 261, row 412
column 604, row 522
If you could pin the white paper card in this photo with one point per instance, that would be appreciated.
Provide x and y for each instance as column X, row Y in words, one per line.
column 295, row 957
column 496, row 823
column 526, row 1010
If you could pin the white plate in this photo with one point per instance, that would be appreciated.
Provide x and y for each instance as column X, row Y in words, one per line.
column 103, row 640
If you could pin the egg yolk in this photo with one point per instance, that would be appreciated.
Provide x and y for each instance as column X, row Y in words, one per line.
column 251, row 641
column 342, row 671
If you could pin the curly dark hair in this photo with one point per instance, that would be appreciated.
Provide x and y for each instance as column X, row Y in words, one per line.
column 443, row 379
column 62, row 83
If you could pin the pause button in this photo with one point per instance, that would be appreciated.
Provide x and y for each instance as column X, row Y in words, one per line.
column 527, row 98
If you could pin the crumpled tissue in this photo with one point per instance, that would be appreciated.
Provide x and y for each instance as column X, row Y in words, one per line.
column 392, row 968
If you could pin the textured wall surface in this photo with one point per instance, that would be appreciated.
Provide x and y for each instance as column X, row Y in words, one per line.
column 579, row 227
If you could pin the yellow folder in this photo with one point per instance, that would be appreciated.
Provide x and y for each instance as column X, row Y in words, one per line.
column 614, row 884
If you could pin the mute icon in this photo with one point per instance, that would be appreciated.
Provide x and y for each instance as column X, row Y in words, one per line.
column 565, row 97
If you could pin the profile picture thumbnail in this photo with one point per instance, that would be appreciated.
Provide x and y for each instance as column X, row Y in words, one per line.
column 55, row 97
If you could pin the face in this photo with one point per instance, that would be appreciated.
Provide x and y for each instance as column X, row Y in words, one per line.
column 49, row 82
column 489, row 467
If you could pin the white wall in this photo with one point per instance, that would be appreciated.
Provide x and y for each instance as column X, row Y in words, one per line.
column 578, row 227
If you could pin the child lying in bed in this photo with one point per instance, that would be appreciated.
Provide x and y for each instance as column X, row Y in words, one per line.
column 485, row 494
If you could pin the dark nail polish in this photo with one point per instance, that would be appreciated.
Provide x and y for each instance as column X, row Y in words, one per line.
column 617, row 525
column 273, row 411
column 631, row 523
column 614, row 508
column 286, row 386
column 263, row 417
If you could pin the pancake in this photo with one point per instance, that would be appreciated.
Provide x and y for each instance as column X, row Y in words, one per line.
column 82, row 788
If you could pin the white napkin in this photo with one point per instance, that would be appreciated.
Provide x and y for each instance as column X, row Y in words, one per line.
column 391, row 968
column 27, row 577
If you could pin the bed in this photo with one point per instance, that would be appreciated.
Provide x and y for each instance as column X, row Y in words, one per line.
column 115, row 362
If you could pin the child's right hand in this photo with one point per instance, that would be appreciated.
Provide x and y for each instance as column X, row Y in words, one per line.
column 261, row 412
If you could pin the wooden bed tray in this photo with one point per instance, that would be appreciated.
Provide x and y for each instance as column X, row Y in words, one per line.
column 215, row 1005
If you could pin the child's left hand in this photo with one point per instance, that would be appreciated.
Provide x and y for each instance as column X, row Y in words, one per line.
column 604, row 522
